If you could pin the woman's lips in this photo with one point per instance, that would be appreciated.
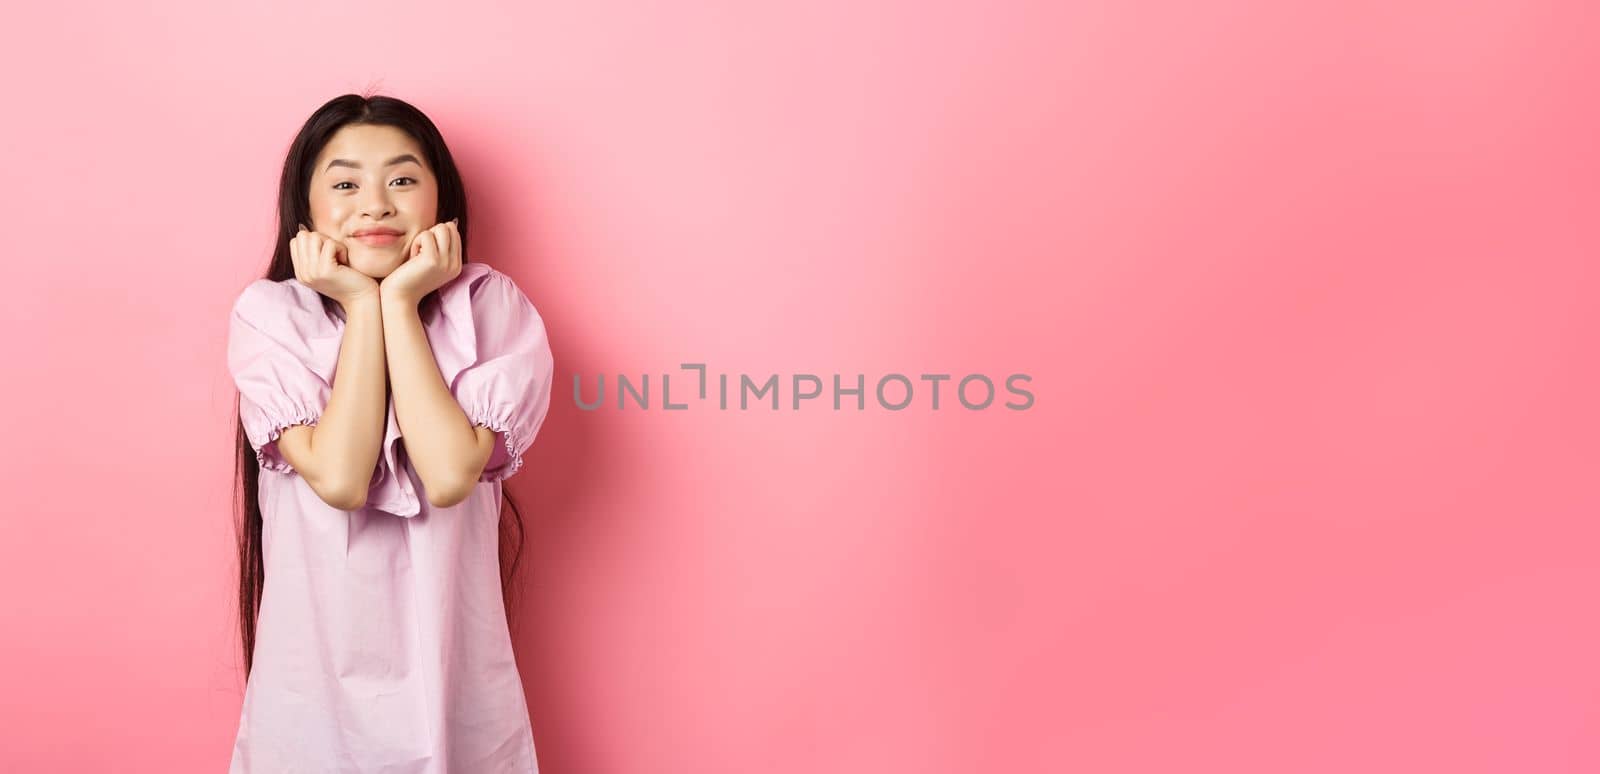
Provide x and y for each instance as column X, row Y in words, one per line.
column 379, row 240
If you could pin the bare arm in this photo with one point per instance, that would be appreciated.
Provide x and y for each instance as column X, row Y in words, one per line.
column 447, row 451
column 337, row 456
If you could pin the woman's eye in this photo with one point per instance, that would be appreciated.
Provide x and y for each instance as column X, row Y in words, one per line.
column 347, row 182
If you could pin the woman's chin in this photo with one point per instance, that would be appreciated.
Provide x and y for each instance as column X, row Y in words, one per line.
column 375, row 266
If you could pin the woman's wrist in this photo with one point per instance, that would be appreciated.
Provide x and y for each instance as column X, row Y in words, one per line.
column 360, row 299
column 396, row 298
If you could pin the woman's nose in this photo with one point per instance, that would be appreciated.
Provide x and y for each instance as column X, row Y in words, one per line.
column 377, row 204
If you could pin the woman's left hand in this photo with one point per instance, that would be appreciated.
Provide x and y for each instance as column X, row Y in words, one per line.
column 435, row 258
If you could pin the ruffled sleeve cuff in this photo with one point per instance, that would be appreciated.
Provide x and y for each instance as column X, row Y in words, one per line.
column 263, row 431
column 510, row 442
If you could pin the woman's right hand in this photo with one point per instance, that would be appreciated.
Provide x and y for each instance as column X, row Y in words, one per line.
column 322, row 264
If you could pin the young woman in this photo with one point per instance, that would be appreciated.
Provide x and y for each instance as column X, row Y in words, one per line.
column 387, row 387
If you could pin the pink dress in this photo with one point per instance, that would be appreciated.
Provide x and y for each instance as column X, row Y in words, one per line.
column 382, row 643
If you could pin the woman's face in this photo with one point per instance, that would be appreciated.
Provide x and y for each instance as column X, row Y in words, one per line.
column 373, row 177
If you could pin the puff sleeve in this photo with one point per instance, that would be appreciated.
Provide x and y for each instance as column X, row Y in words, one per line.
column 281, row 353
column 506, row 382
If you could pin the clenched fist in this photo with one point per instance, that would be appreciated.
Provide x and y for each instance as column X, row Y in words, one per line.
column 323, row 264
column 433, row 258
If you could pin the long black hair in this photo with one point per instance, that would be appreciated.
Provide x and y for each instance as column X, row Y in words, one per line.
column 294, row 208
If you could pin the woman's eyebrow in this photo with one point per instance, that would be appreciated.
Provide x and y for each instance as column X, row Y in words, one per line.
column 389, row 163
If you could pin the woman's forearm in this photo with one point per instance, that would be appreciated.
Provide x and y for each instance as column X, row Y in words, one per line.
column 347, row 440
column 440, row 441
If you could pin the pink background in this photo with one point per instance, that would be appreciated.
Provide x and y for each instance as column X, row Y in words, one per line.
column 1307, row 294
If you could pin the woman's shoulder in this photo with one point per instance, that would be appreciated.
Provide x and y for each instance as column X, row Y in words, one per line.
column 276, row 293
column 475, row 273
column 272, row 303
column 481, row 295
column 481, row 282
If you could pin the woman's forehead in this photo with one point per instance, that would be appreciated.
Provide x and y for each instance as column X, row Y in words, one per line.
column 369, row 147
